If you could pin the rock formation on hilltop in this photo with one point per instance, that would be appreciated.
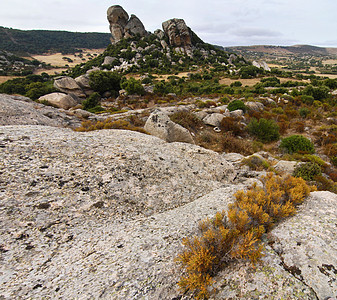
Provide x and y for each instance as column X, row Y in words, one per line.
column 178, row 33
column 121, row 26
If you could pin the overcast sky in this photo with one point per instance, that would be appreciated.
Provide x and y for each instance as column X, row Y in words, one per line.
column 222, row 22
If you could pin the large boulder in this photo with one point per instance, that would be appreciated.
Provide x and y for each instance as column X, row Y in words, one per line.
column 178, row 33
column 160, row 125
column 59, row 100
column 121, row 26
column 255, row 106
column 133, row 27
column 84, row 83
column 69, row 86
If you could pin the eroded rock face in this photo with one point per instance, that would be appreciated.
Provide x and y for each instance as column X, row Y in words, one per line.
column 178, row 33
column 69, row 86
column 17, row 110
column 160, row 125
column 121, row 26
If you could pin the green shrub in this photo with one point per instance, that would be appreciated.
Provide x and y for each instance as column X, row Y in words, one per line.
column 264, row 130
column 133, row 86
column 236, row 84
column 297, row 143
column 92, row 101
column 237, row 104
column 102, row 82
column 304, row 112
column 308, row 171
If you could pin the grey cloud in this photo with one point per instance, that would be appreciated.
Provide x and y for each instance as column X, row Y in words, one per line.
column 255, row 32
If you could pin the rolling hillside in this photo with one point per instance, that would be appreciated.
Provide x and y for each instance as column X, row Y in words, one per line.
column 43, row 41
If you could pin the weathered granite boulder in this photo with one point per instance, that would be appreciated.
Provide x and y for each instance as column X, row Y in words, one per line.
column 69, row 86
column 236, row 113
column 59, row 100
column 178, row 33
column 121, row 26
column 159, row 33
column 17, row 110
column 285, row 166
column 108, row 60
column 255, row 106
column 84, row 83
column 160, row 125
column 133, row 27
column 213, row 119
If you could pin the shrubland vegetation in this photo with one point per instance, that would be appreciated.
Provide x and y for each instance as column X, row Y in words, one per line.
column 237, row 233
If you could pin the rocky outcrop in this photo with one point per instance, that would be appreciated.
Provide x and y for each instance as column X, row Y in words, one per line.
column 15, row 110
column 59, row 100
column 178, row 33
column 69, row 86
column 84, row 83
column 160, row 125
column 88, row 228
column 262, row 65
column 121, row 26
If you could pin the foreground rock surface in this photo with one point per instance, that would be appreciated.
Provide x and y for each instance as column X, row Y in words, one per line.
column 102, row 214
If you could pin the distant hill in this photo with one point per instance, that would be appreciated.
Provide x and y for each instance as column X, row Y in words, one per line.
column 43, row 41
column 285, row 50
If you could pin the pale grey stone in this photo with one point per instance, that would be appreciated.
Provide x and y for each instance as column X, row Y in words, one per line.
column 213, row 119
column 59, row 100
column 160, row 125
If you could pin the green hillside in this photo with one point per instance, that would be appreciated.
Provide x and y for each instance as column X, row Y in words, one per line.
column 42, row 41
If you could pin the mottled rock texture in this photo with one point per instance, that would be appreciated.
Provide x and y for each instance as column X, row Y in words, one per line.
column 102, row 215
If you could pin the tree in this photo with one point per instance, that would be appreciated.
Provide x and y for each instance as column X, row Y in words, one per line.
column 102, row 82
column 133, row 86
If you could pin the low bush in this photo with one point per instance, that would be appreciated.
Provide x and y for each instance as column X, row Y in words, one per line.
column 304, row 112
column 237, row 104
column 308, row 171
column 297, row 143
column 92, row 101
column 237, row 235
column 264, row 130
column 187, row 120
column 256, row 163
column 108, row 124
column 227, row 142
column 133, row 87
